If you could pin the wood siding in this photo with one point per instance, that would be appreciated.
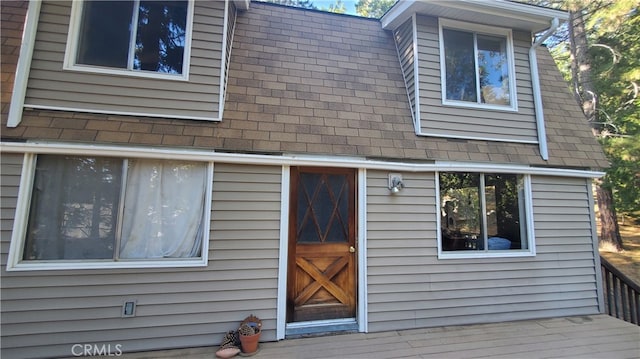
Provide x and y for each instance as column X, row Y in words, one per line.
column 50, row 86
column 404, row 42
column 463, row 122
column 409, row 287
column 45, row 312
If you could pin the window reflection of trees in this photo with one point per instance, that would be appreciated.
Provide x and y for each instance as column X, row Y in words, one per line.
column 493, row 70
column 79, row 207
column 74, row 208
column 159, row 29
column 464, row 197
column 460, row 68
column 160, row 38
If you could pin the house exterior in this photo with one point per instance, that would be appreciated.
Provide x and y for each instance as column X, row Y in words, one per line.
column 323, row 172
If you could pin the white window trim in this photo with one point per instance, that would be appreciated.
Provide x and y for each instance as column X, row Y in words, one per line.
column 484, row 30
column 72, row 42
column 18, row 236
column 528, row 209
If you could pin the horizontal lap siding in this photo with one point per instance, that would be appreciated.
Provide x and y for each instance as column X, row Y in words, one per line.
column 409, row 287
column 45, row 312
column 401, row 231
column 451, row 121
column 10, row 168
column 51, row 86
column 404, row 43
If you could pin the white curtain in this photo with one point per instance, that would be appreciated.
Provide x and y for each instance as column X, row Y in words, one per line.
column 163, row 209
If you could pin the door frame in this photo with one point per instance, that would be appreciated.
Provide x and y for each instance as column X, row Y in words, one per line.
column 361, row 297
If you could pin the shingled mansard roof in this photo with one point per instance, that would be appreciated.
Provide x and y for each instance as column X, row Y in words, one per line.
column 304, row 81
column 309, row 82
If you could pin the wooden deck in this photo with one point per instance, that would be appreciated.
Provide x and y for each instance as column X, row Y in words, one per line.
column 596, row 336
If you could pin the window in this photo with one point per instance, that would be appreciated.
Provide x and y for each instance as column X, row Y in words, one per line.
column 477, row 66
column 136, row 36
column 103, row 209
column 484, row 213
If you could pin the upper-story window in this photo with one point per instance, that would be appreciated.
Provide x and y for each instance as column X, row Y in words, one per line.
column 140, row 37
column 477, row 66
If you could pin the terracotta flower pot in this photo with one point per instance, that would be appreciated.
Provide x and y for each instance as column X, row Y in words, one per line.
column 249, row 343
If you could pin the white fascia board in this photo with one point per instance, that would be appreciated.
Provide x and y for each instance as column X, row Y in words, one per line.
column 525, row 9
column 397, row 15
column 284, row 160
column 24, row 64
column 224, row 71
column 517, row 11
column 505, row 168
column 121, row 113
column 242, row 5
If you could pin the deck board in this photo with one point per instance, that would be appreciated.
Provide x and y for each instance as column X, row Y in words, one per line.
column 595, row 336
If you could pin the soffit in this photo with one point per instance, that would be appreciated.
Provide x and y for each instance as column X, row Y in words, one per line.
column 491, row 12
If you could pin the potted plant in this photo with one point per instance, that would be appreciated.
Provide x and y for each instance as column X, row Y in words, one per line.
column 249, row 333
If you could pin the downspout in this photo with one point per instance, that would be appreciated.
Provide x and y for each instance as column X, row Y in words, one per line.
column 537, row 95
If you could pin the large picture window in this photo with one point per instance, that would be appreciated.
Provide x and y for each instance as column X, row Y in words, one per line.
column 483, row 213
column 477, row 67
column 139, row 36
column 113, row 209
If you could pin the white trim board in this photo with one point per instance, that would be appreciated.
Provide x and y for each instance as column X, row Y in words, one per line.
column 24, row 64
column 363, row 300
column 286, row 159
column 283, row 252
column 122, row 113
column 361, row 318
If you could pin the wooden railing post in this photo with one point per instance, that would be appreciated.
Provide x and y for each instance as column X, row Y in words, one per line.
column 622, row 295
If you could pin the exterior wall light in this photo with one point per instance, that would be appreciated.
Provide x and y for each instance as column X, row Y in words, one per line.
column 395, row 182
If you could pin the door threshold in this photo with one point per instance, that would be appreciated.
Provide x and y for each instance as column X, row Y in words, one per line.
column 299, row 329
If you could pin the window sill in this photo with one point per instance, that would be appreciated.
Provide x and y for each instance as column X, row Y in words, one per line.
column 477, row 254
column 479, row 106
column 127, row 73
column 107, row 264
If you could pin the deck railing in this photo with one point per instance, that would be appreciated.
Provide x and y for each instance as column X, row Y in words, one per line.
column 621, row 294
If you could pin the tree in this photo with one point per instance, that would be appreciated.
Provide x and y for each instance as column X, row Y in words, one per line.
column 585, row 94
column 373, row 8
column 616, row 59
column 337, row 7
column 606, row 89
column 590, row 72
column 306, row 4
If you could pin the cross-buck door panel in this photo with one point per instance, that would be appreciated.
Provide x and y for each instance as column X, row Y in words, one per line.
column 322, row 245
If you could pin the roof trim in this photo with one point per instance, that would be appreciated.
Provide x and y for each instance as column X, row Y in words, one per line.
column 24, row 64
column 285, row 159
column 242, row 5
column 534, row 18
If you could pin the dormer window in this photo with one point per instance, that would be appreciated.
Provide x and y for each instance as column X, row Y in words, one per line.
column 138, row 37
column 476, row 66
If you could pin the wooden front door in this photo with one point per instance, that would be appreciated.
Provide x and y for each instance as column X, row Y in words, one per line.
column 322, row 245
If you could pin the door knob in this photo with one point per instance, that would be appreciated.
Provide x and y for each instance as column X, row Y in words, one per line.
column 352, row 249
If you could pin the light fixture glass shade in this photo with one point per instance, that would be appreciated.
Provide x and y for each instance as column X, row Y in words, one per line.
column 395, row 182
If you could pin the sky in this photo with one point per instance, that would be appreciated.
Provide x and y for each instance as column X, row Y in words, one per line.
column 350, row 4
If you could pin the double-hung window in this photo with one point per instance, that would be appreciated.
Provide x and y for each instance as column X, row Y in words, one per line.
column 484, row 214
column 477, row 66
column 147, row 38
column 116, row 212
